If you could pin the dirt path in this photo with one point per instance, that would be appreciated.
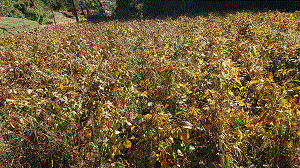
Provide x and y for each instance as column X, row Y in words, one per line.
column 62, row 19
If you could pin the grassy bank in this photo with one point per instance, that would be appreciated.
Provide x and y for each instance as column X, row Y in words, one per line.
column 10, row 26
column 215, row 91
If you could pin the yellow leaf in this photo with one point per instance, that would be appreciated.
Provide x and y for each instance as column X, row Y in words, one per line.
column 289, row 144
column 185, row 136
column 296, row 88
column 181, row 85
column 127, row 143
column 144, row 94
column 61, row 86
column 228, row 158
column 275, row 132
column 239, row 81
column 284, row 72
column 241, row 102
column 286, row 102
column 171, row 140
column 88, row 155
column 117, row 74
column 253, row 82
column 148, row 116
column 270, row 77
column 258, row 88
column 116, row 150
column 132, row 129
column 240, row 136
column 237, row 98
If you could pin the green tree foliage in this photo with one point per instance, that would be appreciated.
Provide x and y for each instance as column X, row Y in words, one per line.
column 55, row 4
column 162, row 7
column 92, row 9
column 175, row 7
column 126, row 9
column 29, row 9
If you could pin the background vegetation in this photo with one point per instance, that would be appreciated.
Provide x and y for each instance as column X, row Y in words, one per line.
column 153, row 8
column 205, row 91
column 40, row 10
column 32, row 10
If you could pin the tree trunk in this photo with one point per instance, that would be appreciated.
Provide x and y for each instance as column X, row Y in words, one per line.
column 53, row 13
column 75, row 11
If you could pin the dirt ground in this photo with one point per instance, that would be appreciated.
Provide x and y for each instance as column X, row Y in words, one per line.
column 61, row 19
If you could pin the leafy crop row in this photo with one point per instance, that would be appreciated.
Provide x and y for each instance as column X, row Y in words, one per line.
column 215, row 91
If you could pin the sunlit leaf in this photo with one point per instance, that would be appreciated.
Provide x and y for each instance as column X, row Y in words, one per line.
column 127, row 143
column 61, row 86
column 289, row 144
column 185, row 136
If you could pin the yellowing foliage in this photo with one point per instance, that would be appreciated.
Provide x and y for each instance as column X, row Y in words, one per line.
column 189, row 92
